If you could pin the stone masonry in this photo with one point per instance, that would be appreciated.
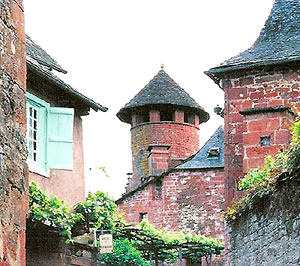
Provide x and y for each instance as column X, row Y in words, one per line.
column 191, row 201
column 257, row 90
column 13, row 169
column 270, row 233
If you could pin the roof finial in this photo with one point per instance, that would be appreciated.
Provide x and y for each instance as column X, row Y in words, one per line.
column 162, row 66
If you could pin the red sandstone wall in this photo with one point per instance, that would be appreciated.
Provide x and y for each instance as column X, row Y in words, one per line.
column 66, row 184
column 13, row 169
column 275, row 125
column 182, row 138
column 252, row 90
column 191, row 201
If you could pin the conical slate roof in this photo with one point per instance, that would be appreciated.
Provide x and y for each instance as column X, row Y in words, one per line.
column 279, row 40
column 162, row 90
column 202, row 160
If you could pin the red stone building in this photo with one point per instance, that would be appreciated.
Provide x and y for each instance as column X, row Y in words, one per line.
column 54, row 127
column 174, row 185
column 262, row 89
column 262, row 95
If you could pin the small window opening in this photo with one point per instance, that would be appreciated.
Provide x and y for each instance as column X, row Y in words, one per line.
column 146, row 117
column 166, row 115
column 265, row 141
column 143, row 216
column 213, row 152
column 143, row 118
column 189, row 118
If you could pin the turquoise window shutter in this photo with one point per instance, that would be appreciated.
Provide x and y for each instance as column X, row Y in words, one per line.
column 60, row 138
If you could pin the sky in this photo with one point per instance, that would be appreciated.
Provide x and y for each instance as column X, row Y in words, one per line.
column 113, row 48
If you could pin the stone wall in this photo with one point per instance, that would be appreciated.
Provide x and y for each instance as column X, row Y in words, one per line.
column 253, row 89
column 269, row 234
column 191, row 201
column 13, row 169
column 45, row 247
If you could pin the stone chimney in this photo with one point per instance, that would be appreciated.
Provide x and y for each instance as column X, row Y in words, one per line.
column 158, row 159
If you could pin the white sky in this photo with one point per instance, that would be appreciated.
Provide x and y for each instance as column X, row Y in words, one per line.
column 112, row 48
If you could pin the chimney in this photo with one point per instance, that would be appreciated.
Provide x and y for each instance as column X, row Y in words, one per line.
column 158, row 159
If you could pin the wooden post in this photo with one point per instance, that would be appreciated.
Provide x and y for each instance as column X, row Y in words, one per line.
column 180, row 256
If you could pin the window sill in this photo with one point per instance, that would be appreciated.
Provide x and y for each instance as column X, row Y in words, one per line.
column 37, row 170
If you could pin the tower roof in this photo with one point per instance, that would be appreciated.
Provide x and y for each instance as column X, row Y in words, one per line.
column 162, row 90
column 211, row 155
column 278, row 42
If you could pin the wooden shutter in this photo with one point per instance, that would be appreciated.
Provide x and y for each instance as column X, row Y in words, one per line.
column 60, row 138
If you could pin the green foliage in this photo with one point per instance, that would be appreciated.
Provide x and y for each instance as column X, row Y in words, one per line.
column 132, row 244
column 98, row 210
column 51, row 210
column 272, row 168
column 149, row 240
column 124, row 254
column 262, row 181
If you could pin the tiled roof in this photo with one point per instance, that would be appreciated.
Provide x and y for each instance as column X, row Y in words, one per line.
column 279, row 40
column 41, row 63
column 202, row 159
column 162, row 90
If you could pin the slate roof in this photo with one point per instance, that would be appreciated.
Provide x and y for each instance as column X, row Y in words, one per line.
column 162, row 90
column 42, row 63
column 39, row 55
column 279, row 40
column 201, row 160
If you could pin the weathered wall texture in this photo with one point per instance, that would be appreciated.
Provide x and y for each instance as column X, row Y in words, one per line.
column 45, row 247
column 269, row 234
column 66, row 184
column 191, row 201
column 245, row 90
column 13, row 169
column 183, row 139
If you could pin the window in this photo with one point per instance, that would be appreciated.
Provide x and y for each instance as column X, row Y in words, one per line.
column 49, row 136
column 143, row 216
column 265, row 141
column 166, row 115
column 213, row 152
column 189, row 118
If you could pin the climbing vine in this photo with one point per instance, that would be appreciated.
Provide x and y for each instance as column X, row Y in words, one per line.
column 132, row 245
column 51, row 211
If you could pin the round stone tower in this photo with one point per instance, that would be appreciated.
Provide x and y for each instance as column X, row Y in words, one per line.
column 164, row 127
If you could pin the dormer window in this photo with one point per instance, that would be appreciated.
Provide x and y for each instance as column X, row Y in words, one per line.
column 213, row 152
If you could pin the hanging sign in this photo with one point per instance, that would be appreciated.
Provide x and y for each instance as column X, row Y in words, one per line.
column 106, row 244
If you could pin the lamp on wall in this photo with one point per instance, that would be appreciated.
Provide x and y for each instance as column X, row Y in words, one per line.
column 219, row 111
